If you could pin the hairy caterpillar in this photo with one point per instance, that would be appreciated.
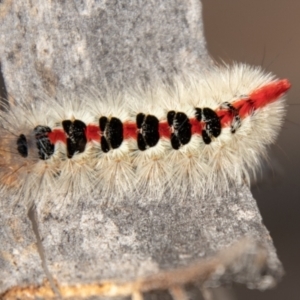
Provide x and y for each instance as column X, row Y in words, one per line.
column 203, row 133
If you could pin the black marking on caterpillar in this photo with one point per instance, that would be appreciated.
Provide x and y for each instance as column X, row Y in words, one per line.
column 212, row 124
column 44, row 146
column 181, row 126
column 76, row 139
column 112, row 133
column 22, row 146
column 148, row 131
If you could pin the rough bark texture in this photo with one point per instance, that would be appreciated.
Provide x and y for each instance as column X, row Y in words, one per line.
column 52, row 46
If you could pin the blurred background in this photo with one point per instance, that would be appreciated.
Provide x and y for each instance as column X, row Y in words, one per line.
column 267, row 33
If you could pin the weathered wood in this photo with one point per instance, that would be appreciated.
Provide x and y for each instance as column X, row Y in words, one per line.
column 63, row 46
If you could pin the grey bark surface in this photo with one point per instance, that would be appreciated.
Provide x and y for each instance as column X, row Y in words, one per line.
column 62, row 46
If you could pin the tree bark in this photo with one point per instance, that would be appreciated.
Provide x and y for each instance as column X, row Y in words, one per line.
column 137, row 246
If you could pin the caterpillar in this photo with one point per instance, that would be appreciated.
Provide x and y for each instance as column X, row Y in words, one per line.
column 204, row 132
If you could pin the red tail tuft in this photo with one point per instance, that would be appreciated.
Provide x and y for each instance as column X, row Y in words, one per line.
column 269, row 93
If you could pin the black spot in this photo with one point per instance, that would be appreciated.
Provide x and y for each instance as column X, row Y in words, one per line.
column 175, row 142
column 170, row 117
column 102, row 123
column 183, row 128
column 139, row 120
column 22, row 146
column 104, row 144
column 182, row 132
column 212, row 122
column 205, row 137
column 150, row 130
column 44, row 146
column 198, row 114
column 76, row 139
column 141, row 142
column 112, row 133
column 148, row 126
column 115, row 132
column 66, row 125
